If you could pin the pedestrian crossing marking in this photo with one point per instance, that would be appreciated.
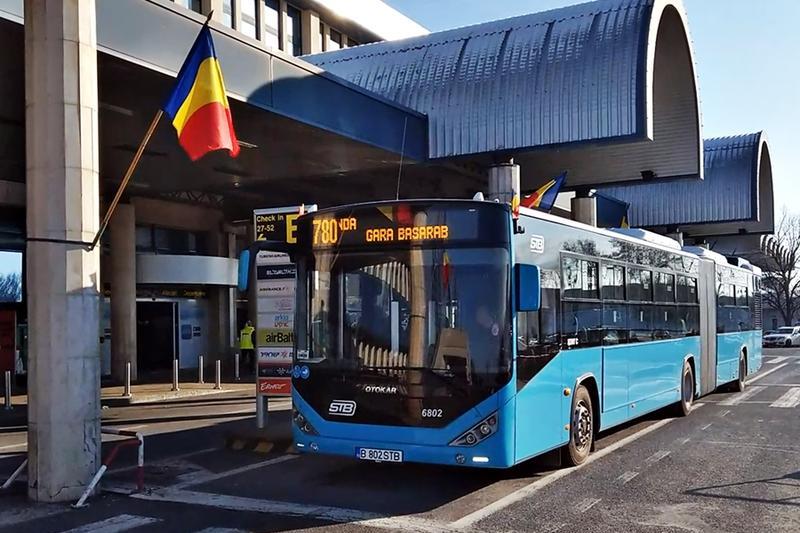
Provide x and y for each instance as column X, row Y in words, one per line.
column 739, row 398
column 790, row 398
column 115, row 524
column 777, row 360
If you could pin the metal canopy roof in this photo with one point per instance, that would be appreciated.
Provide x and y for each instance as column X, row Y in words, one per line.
column 606, row 90
column 735, row 197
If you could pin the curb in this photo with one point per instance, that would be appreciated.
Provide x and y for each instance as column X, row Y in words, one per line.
column 134, row 399
column 259, row 445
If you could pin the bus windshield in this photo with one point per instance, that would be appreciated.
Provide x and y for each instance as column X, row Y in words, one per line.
column 421, row 322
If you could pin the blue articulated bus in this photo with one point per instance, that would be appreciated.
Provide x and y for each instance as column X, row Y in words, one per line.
column 453, row 332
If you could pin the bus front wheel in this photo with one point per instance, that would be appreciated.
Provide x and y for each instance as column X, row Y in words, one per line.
column 581, row 431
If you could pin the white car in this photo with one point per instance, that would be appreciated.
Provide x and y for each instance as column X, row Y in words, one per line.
column 785, row 336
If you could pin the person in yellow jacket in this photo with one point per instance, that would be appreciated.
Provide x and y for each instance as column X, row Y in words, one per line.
column 246, row 344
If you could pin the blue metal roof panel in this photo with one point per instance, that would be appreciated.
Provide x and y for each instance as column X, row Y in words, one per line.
column 568, row 75
column 728, row 192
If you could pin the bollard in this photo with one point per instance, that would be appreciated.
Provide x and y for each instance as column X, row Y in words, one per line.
column 175, row 385
column 200, row 369
column 218, row 376
column 236, row 366
column 8, row 405
column 262, row 410
column 126, row 393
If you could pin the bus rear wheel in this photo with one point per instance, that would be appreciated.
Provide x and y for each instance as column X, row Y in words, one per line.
column 581, row 428
column 687, row 390
column 740, row 384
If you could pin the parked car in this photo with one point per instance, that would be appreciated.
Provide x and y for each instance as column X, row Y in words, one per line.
column 785, row 336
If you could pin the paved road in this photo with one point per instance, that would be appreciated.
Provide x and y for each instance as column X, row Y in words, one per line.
column 732, row 466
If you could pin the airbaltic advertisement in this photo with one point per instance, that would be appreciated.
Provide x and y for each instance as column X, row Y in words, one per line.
column 275, row 291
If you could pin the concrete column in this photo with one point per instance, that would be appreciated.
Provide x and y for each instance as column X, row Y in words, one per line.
column 312, row 42
column 283, row 20
column 122, row 231
column 584, row 209
column 503, row 182
column 676, row 236
column 216, row 5
column 222, row 300
column 63, row 279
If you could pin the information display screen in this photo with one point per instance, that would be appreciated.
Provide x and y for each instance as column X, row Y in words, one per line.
column 407, row 223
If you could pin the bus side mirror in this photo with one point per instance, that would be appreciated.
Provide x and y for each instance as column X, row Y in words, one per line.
column 244, row 270
column 529, row 290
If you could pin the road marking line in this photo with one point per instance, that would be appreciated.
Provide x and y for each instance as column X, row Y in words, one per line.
column 531, row 488
column 791, row 398
column 739, row 398
column 684, row 441
column 759, row 446
column 765, row 374
column 321, row 512
column 777, row 360
column 220, row 530
column 656, row 457
column 587, row 504
column 706, row 426
column 726, row 412
column 115, row 524
column 205, row 477
column 627, row 476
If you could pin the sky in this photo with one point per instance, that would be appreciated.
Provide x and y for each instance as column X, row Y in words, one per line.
column 748, row 65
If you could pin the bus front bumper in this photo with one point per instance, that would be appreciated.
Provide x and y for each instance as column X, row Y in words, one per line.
column 486, row 454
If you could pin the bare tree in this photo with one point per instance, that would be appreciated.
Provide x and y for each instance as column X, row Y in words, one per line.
column 781, row 282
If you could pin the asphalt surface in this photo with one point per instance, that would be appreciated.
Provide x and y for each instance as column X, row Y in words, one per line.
column 733, row 465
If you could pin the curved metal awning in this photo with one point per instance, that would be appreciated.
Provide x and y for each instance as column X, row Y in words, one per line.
column 736, row 196
column 605, row 90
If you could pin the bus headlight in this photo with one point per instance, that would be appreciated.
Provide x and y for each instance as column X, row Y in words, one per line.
column 302, row 423
column 480, row 431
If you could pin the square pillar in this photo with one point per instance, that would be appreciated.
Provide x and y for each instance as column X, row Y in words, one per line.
column 63, row 279
column 312, row 41
column 122, row 276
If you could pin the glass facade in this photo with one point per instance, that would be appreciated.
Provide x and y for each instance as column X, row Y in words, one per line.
column 294, row 34
column 335, row 42
column 249, row 23
column 194, row 5
column 271, row 27
column 227, row 13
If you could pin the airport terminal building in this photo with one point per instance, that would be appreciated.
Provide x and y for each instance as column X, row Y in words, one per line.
column 330, row 106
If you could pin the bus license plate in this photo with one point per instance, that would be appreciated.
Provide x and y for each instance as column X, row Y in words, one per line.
column 373, row 454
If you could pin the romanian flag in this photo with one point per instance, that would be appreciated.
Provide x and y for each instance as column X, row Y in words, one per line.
column 198, row 105
column 545, row 196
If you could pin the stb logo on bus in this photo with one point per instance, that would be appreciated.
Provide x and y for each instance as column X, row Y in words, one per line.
column 537, row 244
column 342, row 408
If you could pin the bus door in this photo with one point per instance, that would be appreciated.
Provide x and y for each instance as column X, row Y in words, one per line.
column 708, row 326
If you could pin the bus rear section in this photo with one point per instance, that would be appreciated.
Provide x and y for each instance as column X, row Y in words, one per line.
column 404, row 332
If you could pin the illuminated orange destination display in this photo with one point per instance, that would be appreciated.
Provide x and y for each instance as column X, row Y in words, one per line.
column 331, row 231
column 408, row 233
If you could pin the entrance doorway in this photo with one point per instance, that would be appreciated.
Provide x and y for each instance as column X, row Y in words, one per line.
column 156, row 329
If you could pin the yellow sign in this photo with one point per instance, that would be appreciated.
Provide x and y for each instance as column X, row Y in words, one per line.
column 275, row 337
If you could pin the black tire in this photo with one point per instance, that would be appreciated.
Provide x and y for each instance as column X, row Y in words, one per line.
column 581, row 428
column 684, row 406
column 788, row 343
column 741, row 383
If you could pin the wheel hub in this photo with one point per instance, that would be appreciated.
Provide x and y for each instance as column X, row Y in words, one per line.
column 583, row 425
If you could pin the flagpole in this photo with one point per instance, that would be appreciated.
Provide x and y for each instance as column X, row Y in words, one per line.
column 128, row 174
column 132, row 166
